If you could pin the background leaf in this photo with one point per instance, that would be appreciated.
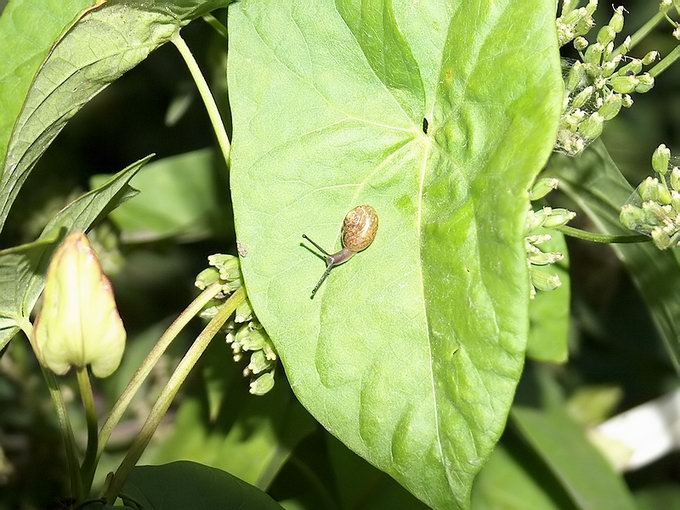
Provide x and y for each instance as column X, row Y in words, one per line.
column 23, row 268
column 98, row 49
column 181, row 485
column 549, row 311
column 180, row 197
column 409, row 353
column 594, row 182
column 28, row 29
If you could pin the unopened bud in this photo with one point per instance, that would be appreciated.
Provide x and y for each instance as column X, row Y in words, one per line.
column 624, row 84
column 632, row 217
column 544, row 280
column 606, row 35
column 78, row 323
column 627, row 101
column 576, row 75
column 675, row 179
column 661, row 239
column 650, row 58
column 582, row 97
column 616, row 23
column 542, row 187
column 262, row 384
column 580, row 43
column 645, row 83
column 591, row 128
column 660, row 159
column 558, row 218
column 611, row 107
column 594, row 54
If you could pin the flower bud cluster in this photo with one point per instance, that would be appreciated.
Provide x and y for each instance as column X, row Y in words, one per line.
column 245, row 334
column 654, row 207
column 599, row 85
column 574, row 22
column 538, row 224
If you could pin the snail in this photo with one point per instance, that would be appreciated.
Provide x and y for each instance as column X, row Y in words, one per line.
column 358, row 231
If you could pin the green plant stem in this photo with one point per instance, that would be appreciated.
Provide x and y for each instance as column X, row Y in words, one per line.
column 594, row 237
column 87, row 469
column 150, row 361
column 211, row 20
column 62, row 417
column 666, row 62
column 206, row 95
column 170, row 390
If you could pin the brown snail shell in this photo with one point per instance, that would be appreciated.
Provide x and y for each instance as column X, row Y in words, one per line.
column 359, row 228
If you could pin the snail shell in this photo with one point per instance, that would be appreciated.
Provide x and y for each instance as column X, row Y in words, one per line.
column 359, row 228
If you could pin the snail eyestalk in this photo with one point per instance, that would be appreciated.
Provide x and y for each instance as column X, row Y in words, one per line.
column 304, row 236
column 323, row 277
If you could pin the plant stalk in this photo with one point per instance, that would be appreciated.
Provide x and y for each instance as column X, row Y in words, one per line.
column 666, row 62
column 168, row 393
column 87, row 397
column 595, row 237
column 63, row 420
column 206, row 95
column 150, row 361
column 211, row 20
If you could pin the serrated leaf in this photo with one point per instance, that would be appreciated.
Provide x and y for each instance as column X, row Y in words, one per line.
column 410, row 352
column 595, row 183
column 100, row 47
column 549, row 311
column 182, row 485
column 23, row 268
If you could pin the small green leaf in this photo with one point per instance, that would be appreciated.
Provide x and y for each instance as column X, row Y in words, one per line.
column 179, row 197
column 549, row 311
column 595, row 183
column 182, row 485
column 100, row 47
column 438, row 114
column 22, row 268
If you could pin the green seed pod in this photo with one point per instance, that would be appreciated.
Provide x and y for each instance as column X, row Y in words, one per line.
column 535, row 219
column 649, row 189
column 616, row 23
column 558, row 218
column 608, row 68
column 664, row 195
column 632, row 67
column 632, row 217
column 593, row 54
column 262, row 384
column 624, row 84
column 591, row 128
column 650, row 58
column 580, row 43
column 675, row 201
column 538, row 258
column 660, row 159
column 661, row 239
column 576, row 75
column 542, row 187
column 611, row 107
column 244, row 312
column 206, row 278
column 544, row 280
column 645, row 83
column 675, row 179
column 606, row 35
column 582, row 97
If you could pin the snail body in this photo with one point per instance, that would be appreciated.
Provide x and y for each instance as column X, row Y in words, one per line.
column 358, row 231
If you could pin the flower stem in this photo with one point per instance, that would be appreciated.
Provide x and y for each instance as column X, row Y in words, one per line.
column 62, row 417
column 168, row 393
column 206, row 95
column 211, row 20
column 87, row 469
column 665, row 62
column 643, row 31
column 150, row 361
column 594, row 237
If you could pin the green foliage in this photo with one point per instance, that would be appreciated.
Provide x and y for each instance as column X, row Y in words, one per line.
column 595, row 183
column 22, row 268
column 182, row 485
column 90, row 55
column 411, row 351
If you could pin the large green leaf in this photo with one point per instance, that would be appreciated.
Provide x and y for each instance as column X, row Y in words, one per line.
column 101, row 46
column 595, row 183
column 28, row 29
column 410, row 352
column 182, row 485
column 23, row 268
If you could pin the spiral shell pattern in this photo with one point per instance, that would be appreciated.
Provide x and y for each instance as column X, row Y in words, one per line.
column 359, row 228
